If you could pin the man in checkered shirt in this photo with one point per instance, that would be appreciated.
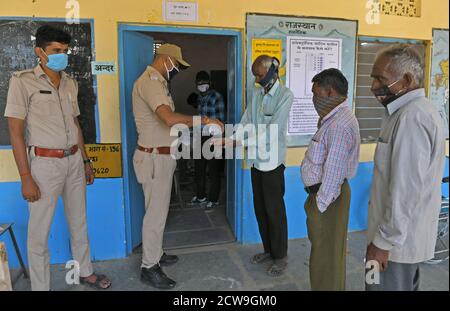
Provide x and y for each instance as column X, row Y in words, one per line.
column 331, row 159
column 210, row 104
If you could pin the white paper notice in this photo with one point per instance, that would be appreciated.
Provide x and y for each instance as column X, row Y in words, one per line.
column 180, row 11
column 306, row 57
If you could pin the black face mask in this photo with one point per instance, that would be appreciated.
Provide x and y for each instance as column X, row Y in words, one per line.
column 270, row 78
column 386, row 91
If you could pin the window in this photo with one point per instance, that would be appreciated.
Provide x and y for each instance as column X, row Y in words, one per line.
column 368, row 110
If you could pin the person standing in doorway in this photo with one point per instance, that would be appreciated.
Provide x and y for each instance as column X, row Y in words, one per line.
column 48, row 146
column 268, row 111
column 331, row 159
column 211, row 105
column 154, row 113
column 405, row 198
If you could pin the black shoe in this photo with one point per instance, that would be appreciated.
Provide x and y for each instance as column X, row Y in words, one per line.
column 157, row 278
column 167, row 260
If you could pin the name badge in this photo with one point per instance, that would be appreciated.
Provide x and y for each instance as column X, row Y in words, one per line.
column 45, row 92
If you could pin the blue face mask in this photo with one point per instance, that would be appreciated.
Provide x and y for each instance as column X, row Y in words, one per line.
column 57, row 62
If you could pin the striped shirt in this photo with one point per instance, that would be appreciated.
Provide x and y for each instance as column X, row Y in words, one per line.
column 332, row 155
column 211, row 105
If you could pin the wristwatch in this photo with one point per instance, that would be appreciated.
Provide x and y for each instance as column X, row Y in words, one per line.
column 87, row 161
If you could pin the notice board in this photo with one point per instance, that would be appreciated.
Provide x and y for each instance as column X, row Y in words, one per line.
column 305, row 47
column 439, row 73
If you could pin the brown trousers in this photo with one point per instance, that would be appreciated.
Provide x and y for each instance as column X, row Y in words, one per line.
column 327, row 233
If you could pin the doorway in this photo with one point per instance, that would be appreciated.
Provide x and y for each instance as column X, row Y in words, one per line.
column 219, row 53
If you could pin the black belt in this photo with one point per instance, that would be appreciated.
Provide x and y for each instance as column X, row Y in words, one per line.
column 313, row 189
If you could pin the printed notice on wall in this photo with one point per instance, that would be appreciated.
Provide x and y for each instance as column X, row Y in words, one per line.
column 106, row 159
column 271, row 47
column 174, row 11
column 305, row 58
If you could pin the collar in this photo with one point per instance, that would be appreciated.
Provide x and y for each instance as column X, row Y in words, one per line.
column 334, row 111
column 405, row 99
column 155, row 73
column 273, row 89
column 206, row 93
column 39, row 72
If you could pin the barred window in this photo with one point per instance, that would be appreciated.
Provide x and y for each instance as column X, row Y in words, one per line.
column 368, row 110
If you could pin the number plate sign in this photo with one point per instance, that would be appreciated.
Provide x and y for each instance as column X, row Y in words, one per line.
column 106, row 160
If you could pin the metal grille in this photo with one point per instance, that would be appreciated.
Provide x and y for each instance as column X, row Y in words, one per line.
column 408, row 8
column 368, row 110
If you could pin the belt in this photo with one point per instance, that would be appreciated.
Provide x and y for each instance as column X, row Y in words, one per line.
column 160, row 150
column 55, row 153
column 313, row 189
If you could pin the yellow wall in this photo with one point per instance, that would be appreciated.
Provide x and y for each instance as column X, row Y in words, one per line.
column 212, row 13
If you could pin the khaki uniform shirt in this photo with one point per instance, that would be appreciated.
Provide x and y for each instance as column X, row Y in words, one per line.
column 149, row 92
column 48, row 112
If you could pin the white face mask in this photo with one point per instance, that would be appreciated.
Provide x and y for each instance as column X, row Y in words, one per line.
column 203, row 88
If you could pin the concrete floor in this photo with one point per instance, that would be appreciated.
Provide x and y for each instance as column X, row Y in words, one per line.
column 227, row 267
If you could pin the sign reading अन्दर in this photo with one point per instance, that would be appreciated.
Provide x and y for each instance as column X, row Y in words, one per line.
column 99, row 68
column 306, row 57
column 106, row 159
column 271, row 47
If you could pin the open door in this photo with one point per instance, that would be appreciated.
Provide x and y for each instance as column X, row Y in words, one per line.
column 137, row 55
column 232, row 119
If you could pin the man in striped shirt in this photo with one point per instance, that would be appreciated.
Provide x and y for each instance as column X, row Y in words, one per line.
column 331, row 159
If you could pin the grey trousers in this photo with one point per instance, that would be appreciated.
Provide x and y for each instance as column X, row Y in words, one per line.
column 398, row 277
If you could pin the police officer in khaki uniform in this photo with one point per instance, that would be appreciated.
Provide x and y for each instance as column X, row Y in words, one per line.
column 48, row 147
column 154, row 113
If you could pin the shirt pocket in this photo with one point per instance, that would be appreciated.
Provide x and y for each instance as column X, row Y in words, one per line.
column 68, row 103
column 316, row 152
column 43, row 104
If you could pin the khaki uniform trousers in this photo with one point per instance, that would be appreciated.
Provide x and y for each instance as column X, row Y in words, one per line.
column 155, row 173
column 56, row 177
column 327, row 233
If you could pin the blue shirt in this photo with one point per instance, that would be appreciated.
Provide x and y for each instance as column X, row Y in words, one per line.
column 266, row 152
column 212, row 105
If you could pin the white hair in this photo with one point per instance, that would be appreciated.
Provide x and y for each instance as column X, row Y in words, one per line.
column 404, row 59
column 266, row 61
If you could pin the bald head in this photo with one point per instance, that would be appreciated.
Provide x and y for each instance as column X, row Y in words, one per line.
column 261, row 67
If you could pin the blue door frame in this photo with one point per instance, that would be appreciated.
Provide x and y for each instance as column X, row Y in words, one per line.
column 236, row 183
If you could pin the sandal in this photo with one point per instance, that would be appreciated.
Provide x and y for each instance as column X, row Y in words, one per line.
column 277, row 268
column 260, row 258
column 99, row 282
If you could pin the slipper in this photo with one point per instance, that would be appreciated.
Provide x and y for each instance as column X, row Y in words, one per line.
column 98, row 282
column 260, row 258
column 277, row 268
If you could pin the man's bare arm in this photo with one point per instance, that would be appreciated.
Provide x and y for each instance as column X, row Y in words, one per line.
column 171, row 118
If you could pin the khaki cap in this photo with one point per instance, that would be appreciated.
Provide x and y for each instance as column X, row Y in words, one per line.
column 174, row 51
